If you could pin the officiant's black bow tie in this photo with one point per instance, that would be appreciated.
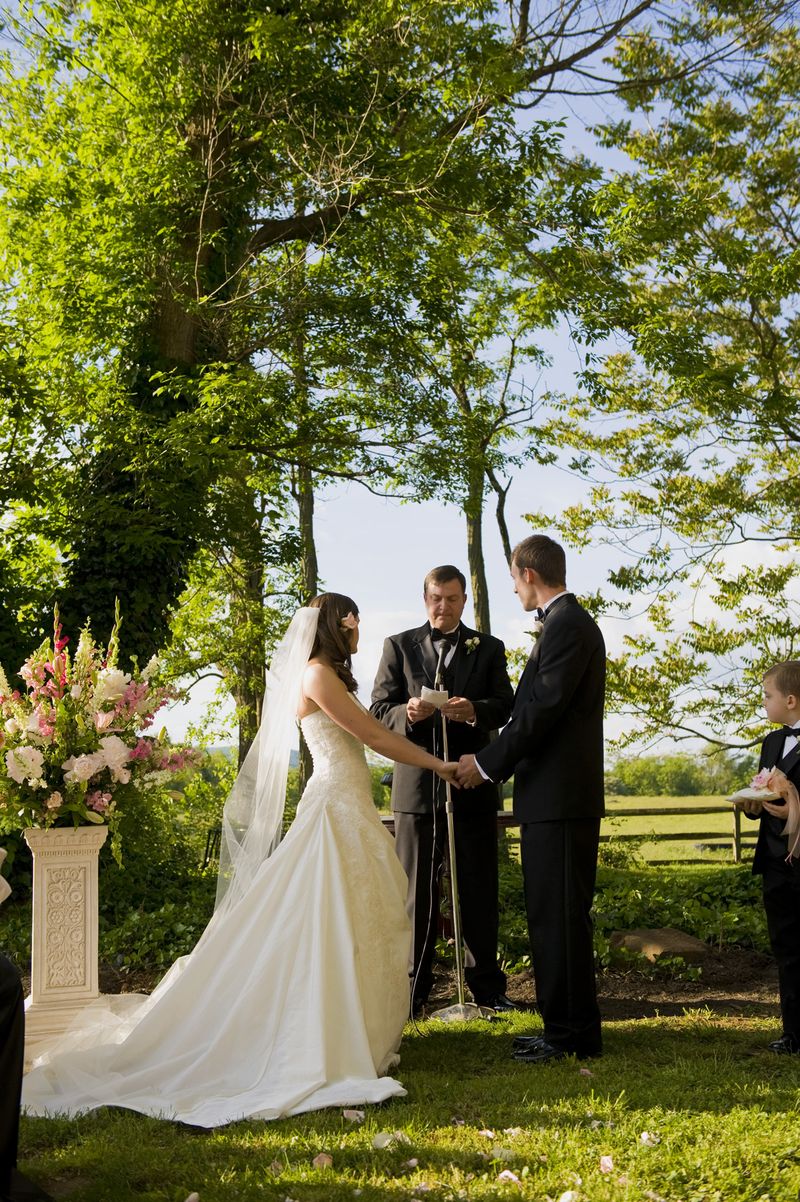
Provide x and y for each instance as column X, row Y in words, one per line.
column 792, row 731
column 439, row 635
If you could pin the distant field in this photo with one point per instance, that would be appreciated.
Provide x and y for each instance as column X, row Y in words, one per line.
column 720, row 824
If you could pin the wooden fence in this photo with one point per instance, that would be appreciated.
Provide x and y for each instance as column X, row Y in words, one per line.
column 506, row 819
column 737, row 840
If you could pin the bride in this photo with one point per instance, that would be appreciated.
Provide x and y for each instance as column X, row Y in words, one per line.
column 296, row 994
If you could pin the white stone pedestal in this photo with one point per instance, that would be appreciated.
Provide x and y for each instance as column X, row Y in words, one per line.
column 65, row 925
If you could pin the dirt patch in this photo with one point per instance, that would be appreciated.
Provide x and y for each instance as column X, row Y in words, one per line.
column 733, row 981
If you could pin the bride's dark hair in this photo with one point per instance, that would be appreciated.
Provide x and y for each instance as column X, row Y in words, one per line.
column 333, row 640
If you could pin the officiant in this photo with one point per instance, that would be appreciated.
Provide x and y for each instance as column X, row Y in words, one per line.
column 472, row 668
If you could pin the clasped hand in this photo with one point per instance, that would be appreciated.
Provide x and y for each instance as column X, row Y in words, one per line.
column 468, row 775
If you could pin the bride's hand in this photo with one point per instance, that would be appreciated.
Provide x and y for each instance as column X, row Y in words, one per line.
column 448, row 772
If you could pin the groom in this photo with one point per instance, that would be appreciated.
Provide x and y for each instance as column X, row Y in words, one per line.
column 473, row 668
column 553, row 747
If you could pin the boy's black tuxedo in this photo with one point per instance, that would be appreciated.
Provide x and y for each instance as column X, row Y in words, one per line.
column 553, row 747
column 781, row 885
column 477, row 671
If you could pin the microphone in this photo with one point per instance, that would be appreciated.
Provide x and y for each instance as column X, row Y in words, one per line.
column 444, row 646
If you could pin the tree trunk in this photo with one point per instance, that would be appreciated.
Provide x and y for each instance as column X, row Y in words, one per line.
column 309, row 583
column 247, row 633
column 500, row 512
column 473, row 511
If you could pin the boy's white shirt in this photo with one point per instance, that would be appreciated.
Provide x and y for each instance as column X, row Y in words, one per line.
column 790, row 742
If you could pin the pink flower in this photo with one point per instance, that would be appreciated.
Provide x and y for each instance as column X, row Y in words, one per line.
column 54, row 801
column 142, row 750
column 759, row 781
column 83, row 767
column 98, row 801
column 103, row 719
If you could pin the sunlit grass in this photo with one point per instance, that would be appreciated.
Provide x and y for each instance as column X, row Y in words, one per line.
column 721, row 1115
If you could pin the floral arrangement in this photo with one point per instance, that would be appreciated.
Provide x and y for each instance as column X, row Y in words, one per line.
column 72, row 744
column 472, row 644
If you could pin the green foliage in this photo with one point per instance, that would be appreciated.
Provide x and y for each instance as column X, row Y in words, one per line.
column 689, row 437
column 680, row 775
column 720, row 905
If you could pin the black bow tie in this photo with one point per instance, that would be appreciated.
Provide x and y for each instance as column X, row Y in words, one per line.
column 541, row 614
column 794, row 731
column 440, row 636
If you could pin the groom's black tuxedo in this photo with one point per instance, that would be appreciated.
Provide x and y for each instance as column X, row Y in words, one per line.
column 553, row 747
column 477, row 671
column 781, row 886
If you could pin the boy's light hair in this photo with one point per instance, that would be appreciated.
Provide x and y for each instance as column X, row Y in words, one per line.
column 786, row 677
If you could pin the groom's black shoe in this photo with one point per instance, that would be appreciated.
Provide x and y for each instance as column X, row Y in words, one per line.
column 787, row 1045
column 535, row 1049
column 526, row 1041
column 538, row 1051
column 497, row 1001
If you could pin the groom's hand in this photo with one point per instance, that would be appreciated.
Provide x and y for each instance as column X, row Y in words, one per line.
column 417, row 710
column 468, row 775
column 459, row 709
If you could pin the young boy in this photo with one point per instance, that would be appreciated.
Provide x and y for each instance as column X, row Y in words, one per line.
column 781, row 880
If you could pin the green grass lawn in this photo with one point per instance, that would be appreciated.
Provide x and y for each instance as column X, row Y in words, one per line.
column 723, row 1118
column 720, row 823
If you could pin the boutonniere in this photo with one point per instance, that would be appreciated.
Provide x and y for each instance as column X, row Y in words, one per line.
column 471, row 644
column 536, row 629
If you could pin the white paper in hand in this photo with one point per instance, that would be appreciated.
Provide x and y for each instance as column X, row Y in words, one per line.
column 435, row 697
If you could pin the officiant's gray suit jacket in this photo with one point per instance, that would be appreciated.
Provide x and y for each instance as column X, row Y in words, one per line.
column 408, row 663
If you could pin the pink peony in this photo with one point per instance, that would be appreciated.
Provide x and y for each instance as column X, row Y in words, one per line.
column 83, row 767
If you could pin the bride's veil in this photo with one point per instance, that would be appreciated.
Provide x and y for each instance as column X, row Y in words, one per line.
column 253, row 815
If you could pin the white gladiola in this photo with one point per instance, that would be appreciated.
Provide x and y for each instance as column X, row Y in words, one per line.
column 111, row 684
column 150, row 667
column 116, row 754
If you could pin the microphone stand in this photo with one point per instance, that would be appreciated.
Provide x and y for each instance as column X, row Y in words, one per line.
column 462, row 1011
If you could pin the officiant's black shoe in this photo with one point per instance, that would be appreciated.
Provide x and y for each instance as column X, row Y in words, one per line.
column 539, row 1051
column 22, row 1189
column 497, row 1001
column 787, row 1045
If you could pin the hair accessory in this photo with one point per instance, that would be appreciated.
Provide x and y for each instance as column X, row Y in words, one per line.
column 349, row 621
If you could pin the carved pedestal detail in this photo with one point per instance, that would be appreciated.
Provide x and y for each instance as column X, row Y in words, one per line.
column 65, row 925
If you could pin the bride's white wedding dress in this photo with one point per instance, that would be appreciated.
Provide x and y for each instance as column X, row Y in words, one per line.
column 293, row 999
